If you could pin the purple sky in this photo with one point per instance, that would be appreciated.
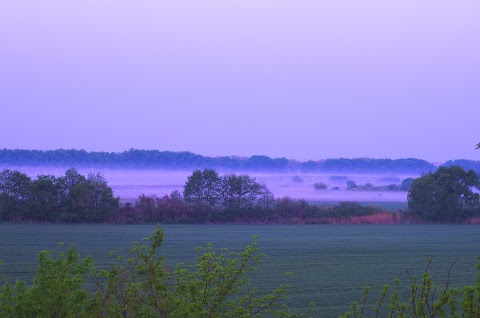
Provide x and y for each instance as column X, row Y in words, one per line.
column 300, row 79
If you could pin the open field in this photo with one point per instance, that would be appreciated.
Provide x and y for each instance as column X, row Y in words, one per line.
column 331, row 264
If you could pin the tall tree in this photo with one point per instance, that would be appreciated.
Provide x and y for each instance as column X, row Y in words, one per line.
column 45, row 198
column 75, row 196
column 148, row 206
column 14, row 194
column 101, row 202
column 240, row 192
column 203, row 187
column 265, row 200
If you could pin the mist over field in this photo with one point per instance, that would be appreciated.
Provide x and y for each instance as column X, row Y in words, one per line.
column 128, row 184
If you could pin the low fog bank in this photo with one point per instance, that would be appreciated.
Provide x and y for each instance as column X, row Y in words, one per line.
column 128, row 184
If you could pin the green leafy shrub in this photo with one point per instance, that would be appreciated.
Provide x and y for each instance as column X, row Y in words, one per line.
column 424, row 298
column 140, row 285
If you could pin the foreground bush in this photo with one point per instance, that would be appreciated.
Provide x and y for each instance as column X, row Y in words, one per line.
column 140, row 285
column 423, row 299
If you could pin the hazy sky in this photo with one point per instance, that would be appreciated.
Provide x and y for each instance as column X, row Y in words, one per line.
column 300, row 79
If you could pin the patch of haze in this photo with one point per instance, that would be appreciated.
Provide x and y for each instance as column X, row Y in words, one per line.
column 128, row 184
column 284, row 185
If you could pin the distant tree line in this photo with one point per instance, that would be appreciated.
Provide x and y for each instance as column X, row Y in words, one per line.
column 135, row 158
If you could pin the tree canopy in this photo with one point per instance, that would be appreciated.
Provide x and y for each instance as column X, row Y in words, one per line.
column 203, row 187
column 240, row 192
column 445, row 195
column 208, row 192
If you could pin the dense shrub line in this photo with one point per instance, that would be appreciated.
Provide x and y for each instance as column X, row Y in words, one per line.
column 174, row 209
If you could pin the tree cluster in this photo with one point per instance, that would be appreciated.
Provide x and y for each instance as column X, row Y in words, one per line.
column 69, row 198
column 209, row 197
column 233, row 192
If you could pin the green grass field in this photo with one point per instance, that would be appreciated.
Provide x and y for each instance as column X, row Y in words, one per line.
column 331, row 264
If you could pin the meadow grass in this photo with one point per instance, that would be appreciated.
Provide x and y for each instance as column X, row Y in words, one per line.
column 331, row 264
